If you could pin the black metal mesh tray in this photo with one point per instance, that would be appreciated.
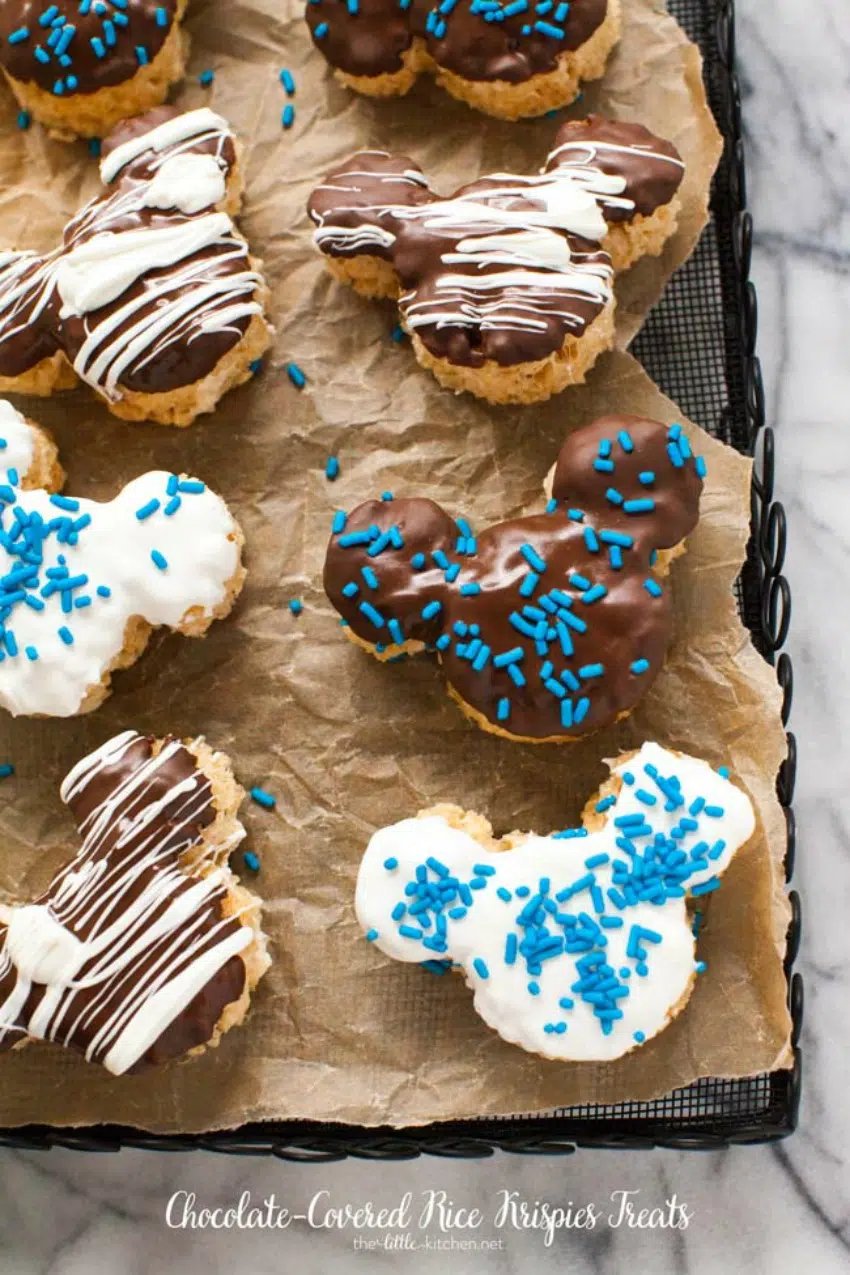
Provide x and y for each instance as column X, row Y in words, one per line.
column 699, row 348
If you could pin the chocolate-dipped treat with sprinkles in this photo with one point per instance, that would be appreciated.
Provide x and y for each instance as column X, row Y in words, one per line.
column 152, row 298
column 84, row 583
column 81, row 66
column 508, row 58
column 145, row 947
column 547, row 627
column 579, row 945
column 506, row 287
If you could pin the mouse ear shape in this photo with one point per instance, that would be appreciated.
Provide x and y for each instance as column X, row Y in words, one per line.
column 634, row 477
column 406, row 550
column 132, row 779
column 628, row 168
column 359, row 207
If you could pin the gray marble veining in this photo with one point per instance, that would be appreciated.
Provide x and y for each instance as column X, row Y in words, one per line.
column 767, row 1210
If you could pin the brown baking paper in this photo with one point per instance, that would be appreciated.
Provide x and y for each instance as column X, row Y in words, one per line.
column 337, row 1032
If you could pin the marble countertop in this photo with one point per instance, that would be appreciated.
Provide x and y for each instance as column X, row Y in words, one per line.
column 766, row 1210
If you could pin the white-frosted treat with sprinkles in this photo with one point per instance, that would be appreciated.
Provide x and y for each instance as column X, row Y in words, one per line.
column 580, row 945
column 17, row 440
column 83, row 582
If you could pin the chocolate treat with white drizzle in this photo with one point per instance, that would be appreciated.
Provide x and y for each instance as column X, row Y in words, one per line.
column 144, row 947
column 510, row 268
column 153, row 287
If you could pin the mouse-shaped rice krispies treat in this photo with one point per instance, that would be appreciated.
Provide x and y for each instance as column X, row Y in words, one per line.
column 578, row 945
column 547, row 627
column 144, row 948
column 84, row 583
column 513, row 59
column 153, row 298
column 506, row 287
column 80, row 67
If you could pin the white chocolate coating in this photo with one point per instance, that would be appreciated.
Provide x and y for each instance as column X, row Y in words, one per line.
column 521, row 998
column 114, row 549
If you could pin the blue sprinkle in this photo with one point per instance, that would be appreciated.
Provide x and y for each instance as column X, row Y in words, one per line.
column 391, row 863
column 287, row 81
column 332, row 468
column 470, row 590
column 339, row 521
column 148, row 509
column 639, row 1037
column 6, row 770
column 321, row 31
column 159, row 560
column 533, row 558
column 480, row 968
column 287, row 118
column 371, row 935
column 263, row 798
column 206, row 78
column 66, row 635
column 653, row 588
column 639, row 666
column 296, row 375
column 372, row 614
column 431, row 609
column 296, row 606
column 252, row 863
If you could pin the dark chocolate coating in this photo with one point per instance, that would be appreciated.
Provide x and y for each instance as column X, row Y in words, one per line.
column 372, row 40
column 650, row 182
column 119, row 33
column 31, row 325
column 619, row 629
column 380, row 205
column 176, row 830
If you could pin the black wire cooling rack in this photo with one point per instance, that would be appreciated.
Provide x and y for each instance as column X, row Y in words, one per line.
column 699, row 347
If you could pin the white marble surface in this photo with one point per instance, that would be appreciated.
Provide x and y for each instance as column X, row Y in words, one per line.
column 766, row 1210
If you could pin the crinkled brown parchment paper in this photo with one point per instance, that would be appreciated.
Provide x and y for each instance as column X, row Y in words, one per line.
column 338, row 1032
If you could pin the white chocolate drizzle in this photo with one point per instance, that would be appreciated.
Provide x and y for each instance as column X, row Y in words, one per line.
column 123, row 939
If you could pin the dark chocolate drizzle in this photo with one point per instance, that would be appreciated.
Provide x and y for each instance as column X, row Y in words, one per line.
column 380, row 205
column 370, row 38
column 597, row 551
column 141, row 806
column 31, row 322
column 108, row 45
